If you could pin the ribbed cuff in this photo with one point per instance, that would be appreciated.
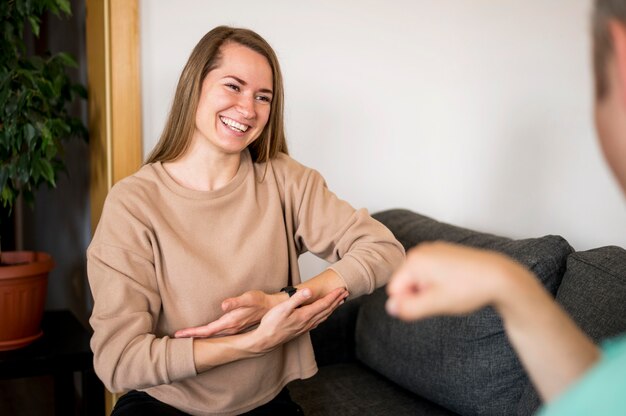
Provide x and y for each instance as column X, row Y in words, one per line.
column 180, row 363
column 354, row 275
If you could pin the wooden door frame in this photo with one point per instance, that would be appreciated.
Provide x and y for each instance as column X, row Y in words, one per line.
column 114, row 85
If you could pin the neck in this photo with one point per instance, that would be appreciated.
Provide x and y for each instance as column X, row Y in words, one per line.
column 202, row 170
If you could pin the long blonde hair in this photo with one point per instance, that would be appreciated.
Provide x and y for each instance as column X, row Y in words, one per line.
column 205, row 57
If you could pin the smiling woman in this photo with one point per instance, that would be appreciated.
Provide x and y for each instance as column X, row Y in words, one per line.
column 198, row 300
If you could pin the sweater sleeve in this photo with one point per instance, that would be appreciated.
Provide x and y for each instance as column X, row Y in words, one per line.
column 127, row 352
column 363, row 251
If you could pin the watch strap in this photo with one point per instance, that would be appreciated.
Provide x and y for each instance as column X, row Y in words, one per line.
column 290, row 290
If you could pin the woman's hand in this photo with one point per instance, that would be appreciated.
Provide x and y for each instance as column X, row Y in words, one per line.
column 282, row 323
column 240, row 313
column 293, row 317
column 447, row 279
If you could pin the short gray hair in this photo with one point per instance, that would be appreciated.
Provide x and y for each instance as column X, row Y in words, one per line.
column 603, row 12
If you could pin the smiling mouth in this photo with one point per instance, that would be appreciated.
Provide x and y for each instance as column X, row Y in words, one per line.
column 233, row 125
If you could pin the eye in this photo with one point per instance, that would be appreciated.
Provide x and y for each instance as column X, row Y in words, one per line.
column 233, row 87
column 264, row 98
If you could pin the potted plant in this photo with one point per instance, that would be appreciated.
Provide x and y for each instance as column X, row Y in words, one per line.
column 35, row 92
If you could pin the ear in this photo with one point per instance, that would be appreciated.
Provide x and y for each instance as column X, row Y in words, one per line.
column 618, row 35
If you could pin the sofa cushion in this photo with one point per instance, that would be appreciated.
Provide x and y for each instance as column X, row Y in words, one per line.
column 333, row 339
column 463, row 363
column 354, row 390
column 593, row 292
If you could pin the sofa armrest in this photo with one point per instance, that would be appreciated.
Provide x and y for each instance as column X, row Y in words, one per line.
column 333, row 340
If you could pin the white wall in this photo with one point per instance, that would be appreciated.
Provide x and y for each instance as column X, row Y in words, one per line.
column 475, row 112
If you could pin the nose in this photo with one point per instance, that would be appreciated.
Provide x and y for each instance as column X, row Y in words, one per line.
column 245, row 107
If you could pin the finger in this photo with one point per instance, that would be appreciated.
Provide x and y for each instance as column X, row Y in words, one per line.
column 197, row 331
column 403, row 281
column 299, row 298
column 230, row 304
column 324, row 314
column 233, row 331
column 286, row 308
column 330, row 308
column 205, row 330
column 417, row 306
column 252, row 298
column 320, row 305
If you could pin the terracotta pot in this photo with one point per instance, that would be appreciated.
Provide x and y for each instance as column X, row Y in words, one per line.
column 23, row 287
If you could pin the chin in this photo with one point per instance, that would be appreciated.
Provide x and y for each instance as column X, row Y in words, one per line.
column 232, row 147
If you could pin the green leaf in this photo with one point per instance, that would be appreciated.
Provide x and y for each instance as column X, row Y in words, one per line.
column 37, row 62
column 50, row 5
column 36, row 171
column 4, row 177
column 24, row 168
column 21, row 7
column 64, row 5
column 28, row 4
column 11, row 107
column 29, row 134
column 8, row 29
column 51, row 150
column 46, row 135
column 34, row 24
column 45, row 86
column 8, row 197
column 47, row 171
column 57, row 84
column 79, row 129
column 4, row 95
column 66, row 59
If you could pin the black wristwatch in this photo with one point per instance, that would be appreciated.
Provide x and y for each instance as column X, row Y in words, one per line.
column 290, row 290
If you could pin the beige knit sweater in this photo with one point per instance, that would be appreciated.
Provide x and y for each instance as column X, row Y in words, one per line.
column 164, row 257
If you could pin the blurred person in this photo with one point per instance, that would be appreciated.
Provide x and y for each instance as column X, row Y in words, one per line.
column 572, row 375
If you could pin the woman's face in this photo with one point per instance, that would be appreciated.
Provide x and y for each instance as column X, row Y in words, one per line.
column 235, row 100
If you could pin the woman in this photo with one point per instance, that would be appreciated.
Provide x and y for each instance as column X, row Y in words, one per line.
column 199, row 242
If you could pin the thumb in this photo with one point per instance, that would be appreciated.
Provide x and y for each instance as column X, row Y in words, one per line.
column 404, row 281
column 299, row 298
column 230, row 304
column 408, row 308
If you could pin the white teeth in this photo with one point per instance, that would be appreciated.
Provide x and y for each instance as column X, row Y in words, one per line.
column 233, row 124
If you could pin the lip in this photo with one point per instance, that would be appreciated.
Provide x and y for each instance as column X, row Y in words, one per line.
column 230, row 132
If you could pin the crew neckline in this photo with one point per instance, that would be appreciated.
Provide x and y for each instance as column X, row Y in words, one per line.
column 172, row 185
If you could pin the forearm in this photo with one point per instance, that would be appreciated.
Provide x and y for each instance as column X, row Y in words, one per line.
column 554, row 351
column 212, row 352
column 322, row 284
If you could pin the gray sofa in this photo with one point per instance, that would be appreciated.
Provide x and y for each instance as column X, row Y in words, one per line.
column 372, row 364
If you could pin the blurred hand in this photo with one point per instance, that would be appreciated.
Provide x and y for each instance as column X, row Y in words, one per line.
column 240, row 313
column 448, row 279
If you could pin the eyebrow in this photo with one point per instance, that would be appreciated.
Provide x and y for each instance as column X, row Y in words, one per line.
column 244, row 83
